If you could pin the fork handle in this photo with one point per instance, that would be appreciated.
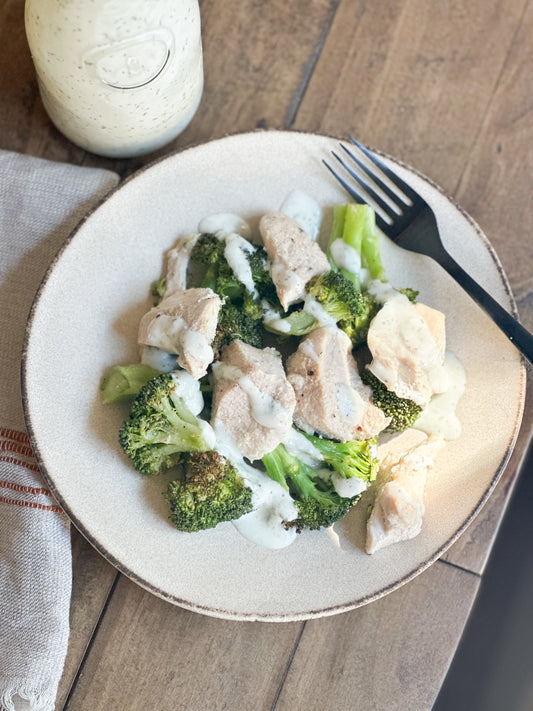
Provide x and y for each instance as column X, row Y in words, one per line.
column 514, row 331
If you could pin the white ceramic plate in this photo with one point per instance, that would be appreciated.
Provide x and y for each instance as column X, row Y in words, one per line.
column 85, row 319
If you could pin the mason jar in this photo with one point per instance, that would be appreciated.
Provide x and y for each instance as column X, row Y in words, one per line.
column 117, row 77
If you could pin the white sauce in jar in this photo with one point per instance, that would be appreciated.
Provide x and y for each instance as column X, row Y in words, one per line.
column 117, row 77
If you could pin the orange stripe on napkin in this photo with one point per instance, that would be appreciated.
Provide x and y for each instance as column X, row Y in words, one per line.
column 32, row 466
column 30, row 504
column 15, row 435
column 24, row 489
column 7, row 445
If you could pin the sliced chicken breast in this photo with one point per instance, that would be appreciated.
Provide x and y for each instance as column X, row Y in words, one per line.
column 330, row 396
column 295, row 257
column 184, row 323
column 398, row 507
column 407, row 343
column 253, row 403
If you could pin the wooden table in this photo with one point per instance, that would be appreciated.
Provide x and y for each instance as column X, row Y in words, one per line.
column 444, row 86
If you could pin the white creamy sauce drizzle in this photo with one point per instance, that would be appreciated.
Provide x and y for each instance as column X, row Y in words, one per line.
column 350, row 405
column 439, row 417
column 235, row 252
column 172, row 334
column 399, row 338
column 303, row 449
column 188, row 388
column 348, row 487
column 304, row 210
column 178, row 262
column 382, row 290
column 313, row 307
column 158, row 359
column 265, row 410
column 345, row 256
column 272, row 319
column 225, row 223
column 272, row 503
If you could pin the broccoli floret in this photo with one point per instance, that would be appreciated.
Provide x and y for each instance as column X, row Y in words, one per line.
column 404, row 412
column 211, row 491
column 349, row 459
column 234, row 323
column 219, row 276
column 316, row 500
column 160, row 427
column 411, row 294
column 241, row 314
column 122, row 382
column 352, row 308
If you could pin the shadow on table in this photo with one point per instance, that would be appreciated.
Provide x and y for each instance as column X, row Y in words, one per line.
column 493, row 667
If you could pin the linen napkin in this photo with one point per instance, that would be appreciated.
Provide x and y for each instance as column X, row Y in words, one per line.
column 40, row 203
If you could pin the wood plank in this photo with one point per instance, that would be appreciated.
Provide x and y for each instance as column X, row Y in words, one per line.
column 392, row 654
column 148, row 652
column 472, row 550
column 255, row 71
column 412, row 78
column 92, row 583
column 495, row 186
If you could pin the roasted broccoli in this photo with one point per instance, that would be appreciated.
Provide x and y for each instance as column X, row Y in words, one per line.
column 234, row 323
column 404, row 412
column 122, row 382
column 219, row 276
column 349, row 459
column 160, row 427
column 241, row 314
column 345, row 302
column 316, row 500
column 210, row 492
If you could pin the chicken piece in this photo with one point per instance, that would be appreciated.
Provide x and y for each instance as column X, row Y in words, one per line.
column 398, row 507
column 330, row 396
column 185, row 323
column 407, row 344
column 253, row 403
column 178, row 262
column 435, row 321
column 295, row 257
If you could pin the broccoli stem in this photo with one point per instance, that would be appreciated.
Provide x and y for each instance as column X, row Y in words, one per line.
column 356, row 225
column 122, row 382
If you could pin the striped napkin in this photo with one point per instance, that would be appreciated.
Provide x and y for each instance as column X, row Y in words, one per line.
column 40, row 203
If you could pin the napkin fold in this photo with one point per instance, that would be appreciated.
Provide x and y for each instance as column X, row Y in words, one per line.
column 40, row 203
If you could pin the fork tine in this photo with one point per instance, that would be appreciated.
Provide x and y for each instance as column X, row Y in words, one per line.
column 380, row 222
column 393, row 177
column 386, row 207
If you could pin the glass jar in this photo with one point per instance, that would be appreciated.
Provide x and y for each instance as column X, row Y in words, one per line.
column 118, row 77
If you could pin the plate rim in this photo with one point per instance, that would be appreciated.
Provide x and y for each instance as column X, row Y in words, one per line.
column 209, row 609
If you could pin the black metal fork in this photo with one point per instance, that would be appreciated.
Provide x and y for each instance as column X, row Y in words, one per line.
column 411, row 223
